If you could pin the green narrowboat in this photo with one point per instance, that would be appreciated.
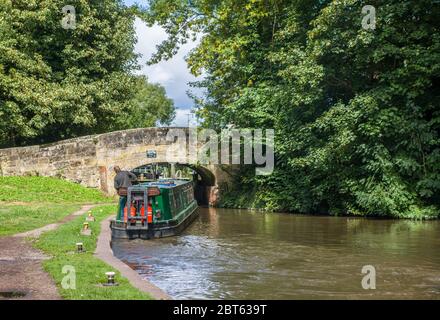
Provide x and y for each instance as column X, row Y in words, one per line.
column 170, row 208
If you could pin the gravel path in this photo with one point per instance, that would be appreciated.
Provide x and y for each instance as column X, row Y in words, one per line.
column 21, row 272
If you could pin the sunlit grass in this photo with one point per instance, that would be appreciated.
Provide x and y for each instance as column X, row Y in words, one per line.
column 46, row 189
column 90, row 271
column 28, row 203
column 16, row 219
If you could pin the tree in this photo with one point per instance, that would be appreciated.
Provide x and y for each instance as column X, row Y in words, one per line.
column 355, row 110
column 150, row 105
column 59, row 83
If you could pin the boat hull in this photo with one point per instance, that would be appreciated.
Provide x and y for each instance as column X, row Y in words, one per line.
column 169, row 228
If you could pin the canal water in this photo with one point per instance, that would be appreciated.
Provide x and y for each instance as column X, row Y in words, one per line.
column 241, row 254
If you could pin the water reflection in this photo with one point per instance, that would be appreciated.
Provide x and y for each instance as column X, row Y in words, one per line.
column 239, row 254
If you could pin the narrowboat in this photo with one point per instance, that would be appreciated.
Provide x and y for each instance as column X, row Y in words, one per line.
column 156, row 209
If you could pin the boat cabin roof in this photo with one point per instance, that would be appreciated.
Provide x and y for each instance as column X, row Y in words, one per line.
column 167, row 183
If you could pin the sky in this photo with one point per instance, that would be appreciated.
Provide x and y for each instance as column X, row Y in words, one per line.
column 172, row 74
column 130, row 2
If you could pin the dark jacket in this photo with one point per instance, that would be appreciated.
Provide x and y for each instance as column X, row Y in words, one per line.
column 123, row 181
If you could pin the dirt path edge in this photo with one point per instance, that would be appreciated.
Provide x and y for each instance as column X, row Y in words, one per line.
column 21, row 272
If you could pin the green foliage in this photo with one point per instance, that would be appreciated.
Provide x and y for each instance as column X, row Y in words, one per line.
column 355, row 111
column 90, row 271
column 50, row 190
column 59, row 83
column 150, row 105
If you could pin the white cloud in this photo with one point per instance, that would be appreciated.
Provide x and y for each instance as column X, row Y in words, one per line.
column 172, row 74
column 181, row 119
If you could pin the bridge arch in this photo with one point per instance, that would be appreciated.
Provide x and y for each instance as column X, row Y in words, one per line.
column 90, row 160
column 203, row 179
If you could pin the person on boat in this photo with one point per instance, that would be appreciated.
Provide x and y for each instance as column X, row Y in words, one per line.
column 123, row 180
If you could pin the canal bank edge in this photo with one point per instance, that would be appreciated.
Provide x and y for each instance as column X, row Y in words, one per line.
column 104, row 252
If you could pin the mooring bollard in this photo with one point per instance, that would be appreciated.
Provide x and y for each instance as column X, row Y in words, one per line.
column 110, row 279
column 90, row 217
column 85, row 230
column 79, row 247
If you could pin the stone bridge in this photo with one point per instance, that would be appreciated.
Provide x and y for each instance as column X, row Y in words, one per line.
column 90, row 160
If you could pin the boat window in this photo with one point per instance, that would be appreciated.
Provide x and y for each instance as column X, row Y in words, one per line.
column 173, row 200
column 179, row 200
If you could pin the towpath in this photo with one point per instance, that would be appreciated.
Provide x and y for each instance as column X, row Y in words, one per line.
column 21, row 272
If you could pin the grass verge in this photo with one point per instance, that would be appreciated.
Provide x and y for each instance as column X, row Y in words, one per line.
column 46, row 189
column 28, row 203
column 90, row 271
column 16, row 219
